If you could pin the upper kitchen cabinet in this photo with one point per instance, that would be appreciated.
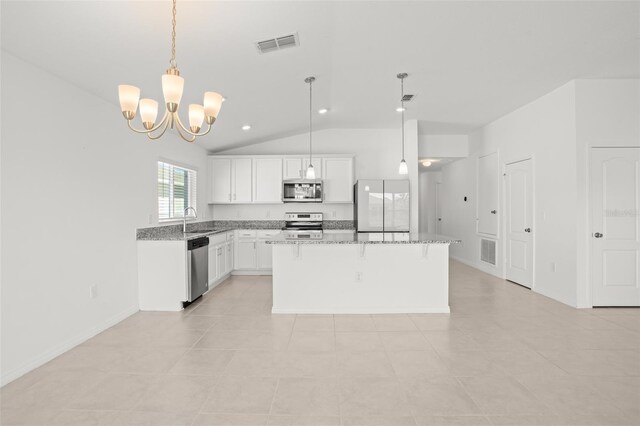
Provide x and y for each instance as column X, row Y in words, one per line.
column 337, row 180
column 488, row 194
column 292, row 168
column 231, row 180
column 267, row 180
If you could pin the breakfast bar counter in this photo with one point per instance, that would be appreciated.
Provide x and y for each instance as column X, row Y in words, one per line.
column 361, row 273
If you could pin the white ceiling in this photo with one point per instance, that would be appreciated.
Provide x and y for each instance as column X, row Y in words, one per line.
column 468, row 62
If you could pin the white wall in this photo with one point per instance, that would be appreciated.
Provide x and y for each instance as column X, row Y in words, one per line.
column 75, row 185
column 443, row 146
column 377, row 156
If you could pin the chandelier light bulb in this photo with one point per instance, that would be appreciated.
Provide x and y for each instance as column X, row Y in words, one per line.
column 196, row 117
column 129, row 96
column 212, row 104
column 148, row 112
column 172, row 88
column 403, row 169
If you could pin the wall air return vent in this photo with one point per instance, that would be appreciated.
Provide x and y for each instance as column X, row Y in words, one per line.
column 488, row 251
column 278, row 43
column 407, row 98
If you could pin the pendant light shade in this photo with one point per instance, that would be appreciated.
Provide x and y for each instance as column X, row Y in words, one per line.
column 311, row 173
column 403, row 169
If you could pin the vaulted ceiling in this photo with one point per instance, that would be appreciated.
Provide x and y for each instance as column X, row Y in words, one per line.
column 468, row 62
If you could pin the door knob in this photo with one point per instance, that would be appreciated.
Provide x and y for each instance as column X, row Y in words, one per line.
column 494, row 211
column 527, row 230
column 598, row 235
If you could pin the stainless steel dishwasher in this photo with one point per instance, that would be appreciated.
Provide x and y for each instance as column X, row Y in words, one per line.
column 197, row 267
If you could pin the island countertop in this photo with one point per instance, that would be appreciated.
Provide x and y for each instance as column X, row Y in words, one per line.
column 369, row 238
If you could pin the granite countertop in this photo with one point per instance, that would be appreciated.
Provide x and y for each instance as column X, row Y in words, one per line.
column 212, row 227
column 370, row 238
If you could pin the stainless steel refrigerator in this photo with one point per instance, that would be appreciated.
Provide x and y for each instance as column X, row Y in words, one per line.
column 381, row 205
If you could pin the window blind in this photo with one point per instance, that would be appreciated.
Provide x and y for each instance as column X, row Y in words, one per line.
column 176, row 190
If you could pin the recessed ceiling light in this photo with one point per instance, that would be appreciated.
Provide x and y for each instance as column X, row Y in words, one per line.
column 246, row 127
column 400, row 109
column 426, row 163
column 323, row 111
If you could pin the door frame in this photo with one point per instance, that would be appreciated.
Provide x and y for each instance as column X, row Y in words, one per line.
column 589, row 207
column 503, row 225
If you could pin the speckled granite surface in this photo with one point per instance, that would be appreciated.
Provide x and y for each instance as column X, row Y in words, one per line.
column 210, row 227
column 371, row 238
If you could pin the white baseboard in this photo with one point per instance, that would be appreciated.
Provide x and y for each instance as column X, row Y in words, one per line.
column 361, row 311
column 37, row 361
column 252, row 272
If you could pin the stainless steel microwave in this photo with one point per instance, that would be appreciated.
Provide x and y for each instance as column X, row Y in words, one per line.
column 302, row 191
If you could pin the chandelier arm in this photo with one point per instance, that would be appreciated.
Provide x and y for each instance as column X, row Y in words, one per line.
column 186, row 130
column 180, row 128
column 153, row 129
column 164, row 129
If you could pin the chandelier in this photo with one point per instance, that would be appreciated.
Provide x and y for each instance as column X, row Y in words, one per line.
column 172, row 88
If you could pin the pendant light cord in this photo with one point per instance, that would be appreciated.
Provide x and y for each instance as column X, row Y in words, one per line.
column 310, row 118
column 173, row 36
column 402, row 110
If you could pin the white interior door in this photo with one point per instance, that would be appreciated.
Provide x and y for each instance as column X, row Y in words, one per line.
column 615, row 248
column 519, row 223
column 438, row 209
column 488, row 191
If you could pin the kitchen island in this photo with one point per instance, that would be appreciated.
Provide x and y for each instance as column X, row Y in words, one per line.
column 361, row 273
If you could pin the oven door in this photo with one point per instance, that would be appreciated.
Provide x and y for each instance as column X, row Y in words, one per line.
column 302, row 191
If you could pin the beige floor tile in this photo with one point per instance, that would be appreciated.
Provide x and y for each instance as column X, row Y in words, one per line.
column 522, row 362
column 432, row 322
column 354, row 323
column 299, row 396
column 379, row 421
column 472, row 363
column 176, row 394
column 417, row 364
column 204, row 362
column 302, row 420
column 148, row 360
column 366, row 397
column 404, row 341
column 622, row 392
column 255, row 363
column 596, row 362
column 309, row 364
column 358, row 341
column 243, row 340
column 452, row 421
column 204, row 419
column 114, row 392
column 242, row 395
column 393, row 323
column 27, row 416
column 87, row 418
column 444, row 341
column 526, row 420
column 314, row 323
column 312, row 341
column 439, row 396
column 502, row 395
column 364, row 364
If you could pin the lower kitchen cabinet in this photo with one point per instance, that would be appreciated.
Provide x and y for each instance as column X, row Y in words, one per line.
column 245, row 254
column 220, row 257
column 252, row 253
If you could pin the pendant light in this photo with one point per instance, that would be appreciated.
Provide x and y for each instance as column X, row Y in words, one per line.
column 311, row 173
column 403, row 169
column 172, row 88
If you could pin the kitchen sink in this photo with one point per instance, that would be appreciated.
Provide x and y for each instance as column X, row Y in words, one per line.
column 201, row 231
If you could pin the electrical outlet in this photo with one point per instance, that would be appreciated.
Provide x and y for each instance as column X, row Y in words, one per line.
column 150, row 219
column 358, row 276
column 238, row 214
column 333, row 214
column 268, row 214
column 93, row 291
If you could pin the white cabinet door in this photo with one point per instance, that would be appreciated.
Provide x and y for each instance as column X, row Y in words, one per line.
column 292, row 168
column 229, row 257
column 220, row 250
column 267, row 180
column 488, row 187
column 264, row 255
column 213, row 265
column 338, row 180
column 242, row 180
column 245, row 254
column 220, row 178
column 317, row 166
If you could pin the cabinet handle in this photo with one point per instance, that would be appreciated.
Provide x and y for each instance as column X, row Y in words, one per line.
column 598, row 235
column 255, row 245
column 234, row 197
column 494, row 211
column 527, row 230
column 229, row 196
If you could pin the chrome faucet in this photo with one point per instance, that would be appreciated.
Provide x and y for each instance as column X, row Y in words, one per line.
column 184, row 218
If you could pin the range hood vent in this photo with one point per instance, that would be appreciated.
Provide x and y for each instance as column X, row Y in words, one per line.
column 407, row 98
column 278, row 43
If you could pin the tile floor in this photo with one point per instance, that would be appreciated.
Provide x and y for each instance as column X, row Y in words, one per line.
column 504, row 356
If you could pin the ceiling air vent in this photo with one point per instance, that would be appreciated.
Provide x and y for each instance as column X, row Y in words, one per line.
column 407, row 98
column 278, row 43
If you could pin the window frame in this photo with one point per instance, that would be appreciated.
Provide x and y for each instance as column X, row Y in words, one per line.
column 183, row 166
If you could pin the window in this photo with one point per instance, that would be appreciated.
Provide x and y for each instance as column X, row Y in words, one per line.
column 176, row 191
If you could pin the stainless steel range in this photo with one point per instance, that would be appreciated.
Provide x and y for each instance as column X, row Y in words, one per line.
column 303, row 226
